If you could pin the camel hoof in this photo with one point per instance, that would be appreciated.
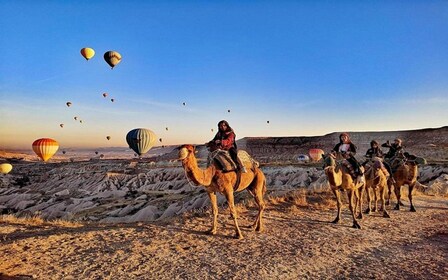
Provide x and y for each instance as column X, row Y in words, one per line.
column 335, row 221
column 211, row 232
column 367, row 212
column 413, row 209
column 397, row 207
column 401, row 203
column 239, row 236
column 386, row 215
column 356, row 225
column 387, row 203
column 374, row 210
column 360, row 216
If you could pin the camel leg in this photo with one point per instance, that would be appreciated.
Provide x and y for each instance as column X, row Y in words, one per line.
column 351, row 195
column 338, row 201
column 383, row 204
column 375, row 202
column 390, row 185
column 361, row 194
column 259, row 193
column 214, row 202
column 369, row 202
column 397, row 190
column 411, row 188
column 233, row 213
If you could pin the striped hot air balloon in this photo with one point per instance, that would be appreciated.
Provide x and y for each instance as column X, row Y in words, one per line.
column 45, row 148
column 141, row 140
column 112, row 58
column 316, row 154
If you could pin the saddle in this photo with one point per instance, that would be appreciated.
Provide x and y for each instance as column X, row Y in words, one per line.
column 226, row 164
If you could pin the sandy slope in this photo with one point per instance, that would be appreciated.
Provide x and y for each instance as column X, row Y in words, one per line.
column 298, row 243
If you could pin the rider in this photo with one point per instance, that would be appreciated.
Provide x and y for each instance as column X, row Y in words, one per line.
column 225, row 140
column 375, row 152
column 395, row 152
column 347, row 150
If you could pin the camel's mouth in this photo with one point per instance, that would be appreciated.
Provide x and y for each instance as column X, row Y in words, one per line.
column 183, row 153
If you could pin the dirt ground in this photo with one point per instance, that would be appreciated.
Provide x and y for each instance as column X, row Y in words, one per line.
column 299, row 242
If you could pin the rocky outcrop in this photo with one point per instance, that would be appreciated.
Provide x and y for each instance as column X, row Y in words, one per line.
column 430, row 143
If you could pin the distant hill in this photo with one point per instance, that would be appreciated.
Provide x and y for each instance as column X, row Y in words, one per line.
column 431, row 143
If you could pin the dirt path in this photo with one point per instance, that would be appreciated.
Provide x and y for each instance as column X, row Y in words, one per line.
column 298, row 243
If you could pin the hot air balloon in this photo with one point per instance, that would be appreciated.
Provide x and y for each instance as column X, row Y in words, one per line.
column 141, row 140
column 316, row 154
column 80, row 121
column 184, row 103
column 267, row 121
column 211, row 129
column 166, row 128
column 5, row 168
column 303, row 158
column 112, row 99
column 108, row 137
column 228, row 111
column 112, row 58
column 76, row 118
column 68, row 104
column 160, row 139
column 87, row 53
column 45, row 148
column 64, row 152
column 104, row 95
column 96, row 152
column 61, row 125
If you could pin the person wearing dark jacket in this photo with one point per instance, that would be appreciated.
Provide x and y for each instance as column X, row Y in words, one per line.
column 225, row 140
column 394, row 148
column 347, row 150
column 374, row 150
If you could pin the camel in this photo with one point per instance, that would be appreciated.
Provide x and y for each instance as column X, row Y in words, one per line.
column 340, row 179
column 215, row 180
column 405, row 174
column 376, row 180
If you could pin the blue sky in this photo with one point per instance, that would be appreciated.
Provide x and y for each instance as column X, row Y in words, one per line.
column 307, row 67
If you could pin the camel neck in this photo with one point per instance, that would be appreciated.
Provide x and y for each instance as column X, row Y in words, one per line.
column 197, row 175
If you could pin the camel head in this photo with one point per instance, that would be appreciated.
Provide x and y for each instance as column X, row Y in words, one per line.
column 328, row 160
column 185, row 150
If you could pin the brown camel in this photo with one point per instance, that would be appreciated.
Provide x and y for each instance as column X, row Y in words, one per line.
column 405, row 174
column 340, row 179
column 376, row 180
column 215, row 180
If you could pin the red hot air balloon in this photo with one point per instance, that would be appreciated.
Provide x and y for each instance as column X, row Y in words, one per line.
column 316, row 154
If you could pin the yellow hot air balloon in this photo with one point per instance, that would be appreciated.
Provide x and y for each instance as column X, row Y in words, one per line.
column 45, row 148
column 5, row 168
column 87, row 53
column 112, row 58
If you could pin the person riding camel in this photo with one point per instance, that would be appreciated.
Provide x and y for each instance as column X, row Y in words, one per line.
column 394, row 154
column 225, row 140
column 376, row 152
column 347, row 150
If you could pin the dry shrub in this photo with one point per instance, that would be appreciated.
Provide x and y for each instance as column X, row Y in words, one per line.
column 36, row 220
column 276, row 200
